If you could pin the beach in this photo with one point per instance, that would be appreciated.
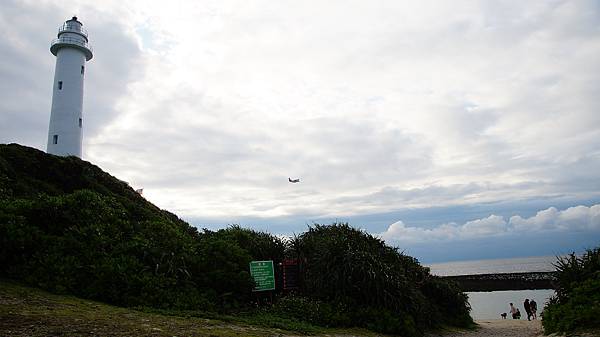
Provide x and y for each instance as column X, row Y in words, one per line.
column 500, row 328
column 488, row 305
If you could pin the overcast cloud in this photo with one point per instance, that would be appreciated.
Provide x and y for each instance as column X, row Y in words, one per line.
column 579, row 218
column 378, row 107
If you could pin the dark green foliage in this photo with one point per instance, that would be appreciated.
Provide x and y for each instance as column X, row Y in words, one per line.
column 580, row 311
column 224, row 272
column 260, row 245
column 573, row 269
column 451, row 306
column 67, row 226
column 80, row 243
column 26, row 173
column 577, row 301
column 344, row 265
column 228, row 252
column 340, row 314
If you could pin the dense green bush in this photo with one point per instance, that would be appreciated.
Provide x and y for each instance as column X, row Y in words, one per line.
column 81, row 243
column 340, row 314
column 577, row 301
column 312, row 311
column 573, row 269
column 342, row 264
column 451, row 306
column 67, row 226
column 260, row 245
column 581, row 310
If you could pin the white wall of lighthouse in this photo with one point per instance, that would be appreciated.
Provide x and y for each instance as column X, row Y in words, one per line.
column 65, row 131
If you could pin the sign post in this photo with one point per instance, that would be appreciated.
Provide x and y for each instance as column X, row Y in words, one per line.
column 263, row 274
column 291, row 274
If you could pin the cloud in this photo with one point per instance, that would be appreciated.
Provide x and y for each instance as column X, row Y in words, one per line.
column 377, row 107
column 27, row 68
column 579, row 218
column 451, row 106
column 491, row 225
column 572, row 219
column 389, row 197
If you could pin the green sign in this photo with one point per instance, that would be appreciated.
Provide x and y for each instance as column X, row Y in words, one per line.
column 263, row 274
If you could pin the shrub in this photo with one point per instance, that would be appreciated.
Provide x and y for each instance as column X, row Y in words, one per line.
column 573, row 269
column 83, row 243
column 580, row 311
column 451, row 304
column 259, row 245
column 329, row 314
column 346, row 266
column 577, row 301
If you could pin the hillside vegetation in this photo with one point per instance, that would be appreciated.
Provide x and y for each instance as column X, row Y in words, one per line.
column 68, row 227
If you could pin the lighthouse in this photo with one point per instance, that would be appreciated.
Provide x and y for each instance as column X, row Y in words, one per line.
column 72, row 51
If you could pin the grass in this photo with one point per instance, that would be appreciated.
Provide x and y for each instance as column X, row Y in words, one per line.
column 31, row 312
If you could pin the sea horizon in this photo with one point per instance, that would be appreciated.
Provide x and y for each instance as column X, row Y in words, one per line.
column 544, row 263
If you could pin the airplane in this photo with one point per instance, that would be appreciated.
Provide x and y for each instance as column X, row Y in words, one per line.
column 293, row 181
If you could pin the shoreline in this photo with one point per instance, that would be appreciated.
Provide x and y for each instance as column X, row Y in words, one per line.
column 499, row 328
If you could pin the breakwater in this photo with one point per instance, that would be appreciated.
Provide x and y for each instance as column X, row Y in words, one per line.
column 505, row 281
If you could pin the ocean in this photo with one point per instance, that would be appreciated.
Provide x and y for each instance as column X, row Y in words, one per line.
column 490, row 304
column 514, row 265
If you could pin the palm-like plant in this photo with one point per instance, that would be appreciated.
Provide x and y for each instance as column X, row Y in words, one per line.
column 572, row 270
column 342, row 264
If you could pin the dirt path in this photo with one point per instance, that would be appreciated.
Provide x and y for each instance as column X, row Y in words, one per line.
column 502, row 328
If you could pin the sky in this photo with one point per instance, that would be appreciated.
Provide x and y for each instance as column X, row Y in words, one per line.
column 454, row 130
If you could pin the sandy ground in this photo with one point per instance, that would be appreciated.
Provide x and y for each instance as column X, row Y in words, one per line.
column 501, row 328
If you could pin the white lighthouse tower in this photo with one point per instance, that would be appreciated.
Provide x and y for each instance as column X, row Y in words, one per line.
column 72, row 50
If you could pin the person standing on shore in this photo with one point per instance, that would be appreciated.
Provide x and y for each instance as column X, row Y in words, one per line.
column 513, row 311
column 527, row 309
column 533, row 307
